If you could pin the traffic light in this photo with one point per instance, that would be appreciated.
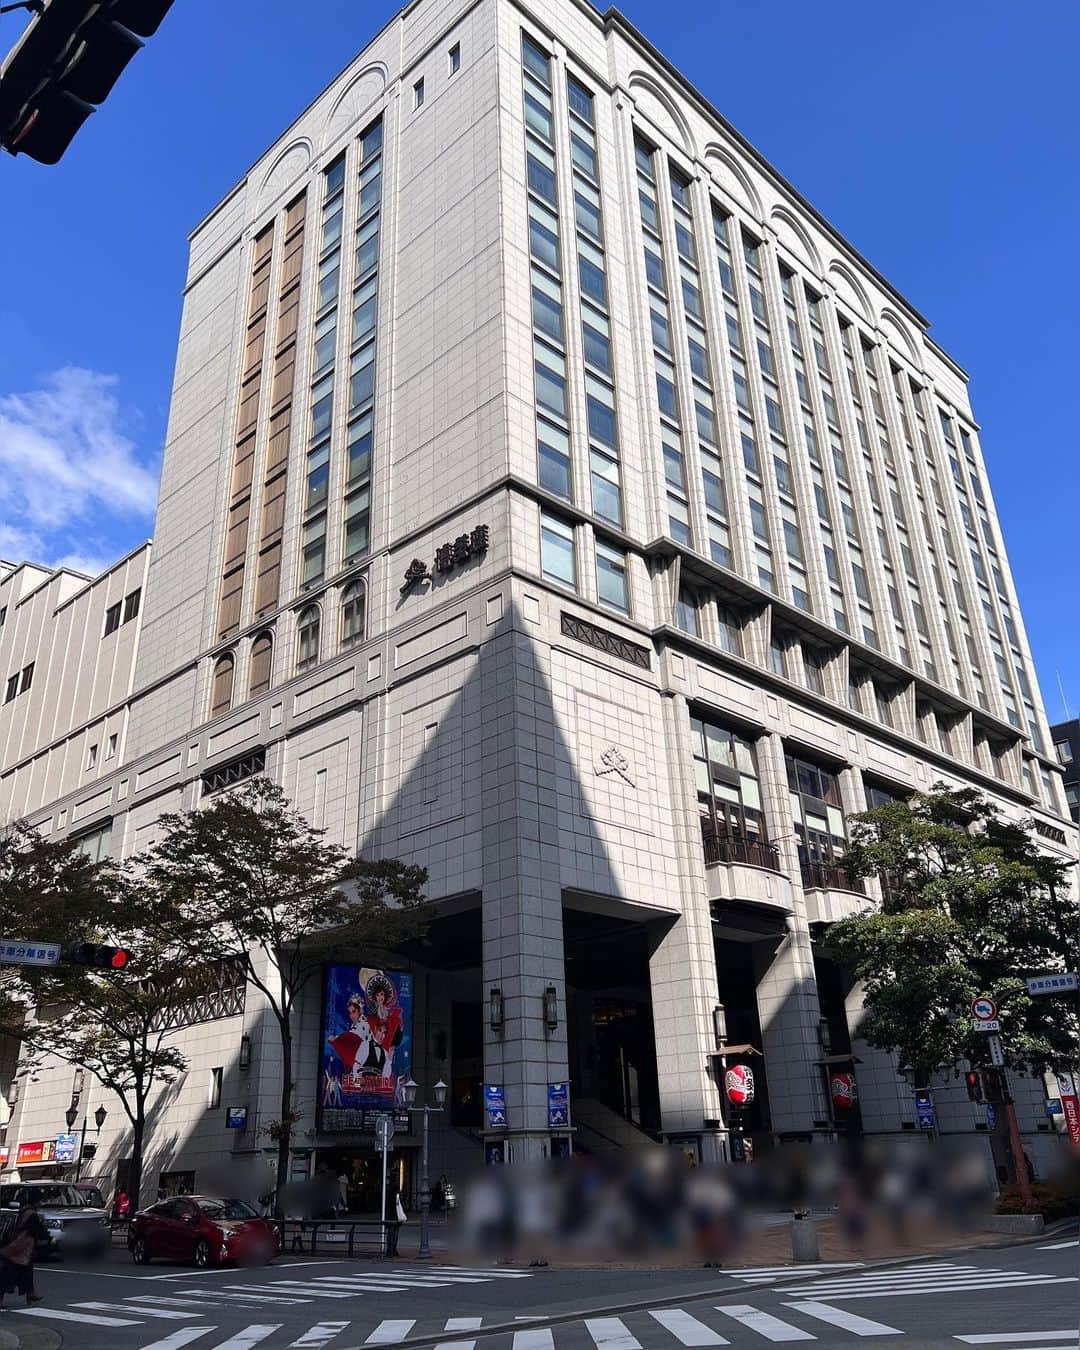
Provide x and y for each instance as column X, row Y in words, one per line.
column 67, row 61
column 973, row 1080
column 98, row 957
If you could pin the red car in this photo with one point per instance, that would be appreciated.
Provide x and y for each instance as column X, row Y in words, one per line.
column 204, row 1230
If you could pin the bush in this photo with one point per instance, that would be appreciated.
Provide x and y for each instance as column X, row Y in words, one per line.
column 1055, row 1201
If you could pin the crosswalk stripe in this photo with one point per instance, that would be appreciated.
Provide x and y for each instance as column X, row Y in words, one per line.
column 250, row 1336
column 944, row 1288
column 359, row 1282
column 847, row 1321
column 765, row 1324
column 381, row 1281
column 166, row 1314
column 300, row 1287
column 442, row 1273
column 463, row 1324
column 909, row 1278
column 456, row 1345
column 488, row 1274
column 390, row 1331
column 223, row 1291
column 610, row 1333
column 176, row 1339
column 318, row 1335
column 89, row 1318
column 686, row 1329
column 535, row 1338
column 1009, row 1337
column 1057, row 1246
column 154, row 1300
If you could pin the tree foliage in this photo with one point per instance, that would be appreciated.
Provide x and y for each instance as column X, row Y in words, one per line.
column 248, row 879
column 971, row 906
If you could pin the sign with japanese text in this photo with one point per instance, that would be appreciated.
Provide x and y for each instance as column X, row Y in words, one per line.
column 1064, row 982
column 739, row 1085
column 558, row 1106
column 236, row 1117
column 66, row 1146
column 495, row 1106
column 843, row 1091
column 18, row 952
column 367, row 1044
column 924, row 1111
column 455, row 553
column 36, row 1151
column 1070, row 1105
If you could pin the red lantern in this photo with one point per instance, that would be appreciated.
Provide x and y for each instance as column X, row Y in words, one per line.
column 739, row 1085
column 843, row 1090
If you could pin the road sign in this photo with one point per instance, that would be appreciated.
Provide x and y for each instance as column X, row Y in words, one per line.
column 983, row 1009
column 1065, row 982
column 924, row 1111
column 19, row 952
column 993, row 1025
column 997, row 1054
column 991, row 1115
column 384, row 1131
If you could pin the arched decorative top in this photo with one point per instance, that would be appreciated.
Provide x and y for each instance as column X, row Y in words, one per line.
column 796, row 237
column 661, row 109
column 851, row 288
column 899, row 333
column 733, row 178
column 287, row 168
column 221, row 684
column 362, row 91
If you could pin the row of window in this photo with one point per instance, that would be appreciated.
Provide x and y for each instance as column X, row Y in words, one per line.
column 19, row 683
column 352, row 608
column 123, row 611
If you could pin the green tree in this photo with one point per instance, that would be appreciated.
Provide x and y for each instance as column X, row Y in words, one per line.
column 248, row 879
column 51, row 892
column 971, row 907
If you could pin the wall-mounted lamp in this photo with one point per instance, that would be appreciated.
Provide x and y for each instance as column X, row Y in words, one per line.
column 551, row 1007
column 495, row 1009
column 99, row 1117
column 719, row 1025
column 13, row 1094
column 245, row 1051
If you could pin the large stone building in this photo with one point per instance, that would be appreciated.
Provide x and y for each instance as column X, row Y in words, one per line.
column 551, row 497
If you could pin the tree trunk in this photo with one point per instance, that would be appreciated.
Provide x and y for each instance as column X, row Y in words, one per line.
column 134, row 1181
column 286, row 1102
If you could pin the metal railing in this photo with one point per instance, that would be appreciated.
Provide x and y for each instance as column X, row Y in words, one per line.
column 343, row 1237
column 830, row 876
column 722, row 848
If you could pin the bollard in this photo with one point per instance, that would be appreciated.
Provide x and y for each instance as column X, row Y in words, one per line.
column 804, row 1239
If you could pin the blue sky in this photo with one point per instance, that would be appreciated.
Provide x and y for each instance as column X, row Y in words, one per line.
column 940, row 138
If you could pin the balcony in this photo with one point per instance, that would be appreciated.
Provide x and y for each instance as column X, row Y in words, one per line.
column 830, row 877
column 720, row 848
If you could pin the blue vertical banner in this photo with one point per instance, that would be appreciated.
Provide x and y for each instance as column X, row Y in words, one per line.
column 495, row 1106
column 558, row 1106
column 924, row 1111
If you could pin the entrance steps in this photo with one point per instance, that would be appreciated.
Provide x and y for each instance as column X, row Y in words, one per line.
column 599, row 1129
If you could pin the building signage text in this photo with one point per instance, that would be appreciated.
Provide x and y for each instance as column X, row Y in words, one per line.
column 448, row 556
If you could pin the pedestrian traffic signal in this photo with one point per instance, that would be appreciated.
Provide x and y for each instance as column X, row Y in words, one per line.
column 97, row 956
column 65, row 64
column 973, row 1079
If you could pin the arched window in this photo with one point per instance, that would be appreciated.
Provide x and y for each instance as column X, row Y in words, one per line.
column 307, row 650
column 262, row 659
column 221, row 687
column 353, row 609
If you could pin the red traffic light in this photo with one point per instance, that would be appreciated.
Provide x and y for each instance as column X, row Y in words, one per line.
column 973, row 1081
column 97, row 956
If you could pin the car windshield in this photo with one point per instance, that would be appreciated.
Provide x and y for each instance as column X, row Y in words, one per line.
column 53, row 1197
column 227, row 1209
column 92, row 1199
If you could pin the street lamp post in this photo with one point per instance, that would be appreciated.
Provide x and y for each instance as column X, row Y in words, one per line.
column 71, row 1115
column 424, row 1253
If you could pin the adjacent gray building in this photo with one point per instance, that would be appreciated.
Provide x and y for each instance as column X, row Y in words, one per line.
column 551, row 497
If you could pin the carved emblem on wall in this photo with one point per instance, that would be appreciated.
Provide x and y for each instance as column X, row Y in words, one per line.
column 611, row 760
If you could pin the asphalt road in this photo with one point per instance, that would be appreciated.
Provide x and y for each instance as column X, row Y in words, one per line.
column 1023, row 1297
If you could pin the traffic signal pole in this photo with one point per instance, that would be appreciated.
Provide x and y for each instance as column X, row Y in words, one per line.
column 1023, row 1177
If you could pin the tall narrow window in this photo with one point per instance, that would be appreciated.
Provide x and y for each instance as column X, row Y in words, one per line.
column 729, row 797
column 611, row 577
column 307, row 639
column 418, row 93
column 353, row 607
column 221, row 690
column 262, row 661
column 817, row 817
column 557, row 550
column 455, row 58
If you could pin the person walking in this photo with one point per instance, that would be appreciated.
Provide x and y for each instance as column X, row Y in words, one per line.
column 18, row 1253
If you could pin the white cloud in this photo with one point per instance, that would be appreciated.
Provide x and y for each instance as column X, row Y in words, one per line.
column 66, row 464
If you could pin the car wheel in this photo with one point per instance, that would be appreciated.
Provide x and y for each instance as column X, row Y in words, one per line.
column 202, row 1253
column 139, row 1253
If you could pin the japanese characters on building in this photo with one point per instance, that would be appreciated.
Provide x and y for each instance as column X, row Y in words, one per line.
column 448, row 556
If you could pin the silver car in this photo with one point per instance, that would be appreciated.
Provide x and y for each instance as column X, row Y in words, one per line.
column 75, row 1227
